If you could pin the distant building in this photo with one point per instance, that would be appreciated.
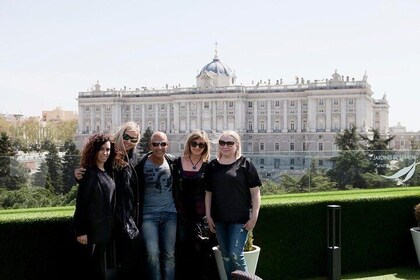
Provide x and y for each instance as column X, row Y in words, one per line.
column 279, row 124
column 12, row 117
column 58, row 114
column 404, row 140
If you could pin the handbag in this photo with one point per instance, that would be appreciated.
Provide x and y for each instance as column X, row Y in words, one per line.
column 202, row 230
column 130, row 228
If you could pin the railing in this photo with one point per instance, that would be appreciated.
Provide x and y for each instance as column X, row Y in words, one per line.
column 391, row 168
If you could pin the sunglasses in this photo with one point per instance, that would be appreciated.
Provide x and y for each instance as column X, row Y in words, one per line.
column 127, row 137
column 200, row 145
column 162, row 144
column 228, row 143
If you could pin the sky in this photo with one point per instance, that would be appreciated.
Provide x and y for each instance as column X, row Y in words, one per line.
column 51, row 50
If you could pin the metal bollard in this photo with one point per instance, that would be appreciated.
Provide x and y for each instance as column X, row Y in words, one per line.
column 334, row 242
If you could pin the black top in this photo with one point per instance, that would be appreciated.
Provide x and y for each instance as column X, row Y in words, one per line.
column 191, row 192
column 229, row 185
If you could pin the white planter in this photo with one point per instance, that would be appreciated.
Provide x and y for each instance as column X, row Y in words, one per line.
column 415, row 234
column 251, row 258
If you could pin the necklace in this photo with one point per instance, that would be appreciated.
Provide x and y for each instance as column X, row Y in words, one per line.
column 194, row 166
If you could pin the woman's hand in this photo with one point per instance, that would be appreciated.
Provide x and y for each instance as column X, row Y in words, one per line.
column 212, row 226
column 250, row 224
column 82, row 239
column 79, row 172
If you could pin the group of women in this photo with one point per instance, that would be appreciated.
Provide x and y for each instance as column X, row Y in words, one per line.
column 224, row 191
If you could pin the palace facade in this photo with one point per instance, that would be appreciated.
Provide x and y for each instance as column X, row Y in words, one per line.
column 283, row 127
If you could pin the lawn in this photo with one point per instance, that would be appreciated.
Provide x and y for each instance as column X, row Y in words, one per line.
column 409, row 273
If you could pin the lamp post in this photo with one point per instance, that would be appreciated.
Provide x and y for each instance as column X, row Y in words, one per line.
column 334, row 242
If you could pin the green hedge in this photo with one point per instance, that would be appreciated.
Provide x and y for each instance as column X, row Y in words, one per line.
column 374, row 234
column 291, row 231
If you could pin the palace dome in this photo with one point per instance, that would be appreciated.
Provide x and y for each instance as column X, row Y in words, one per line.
column 217, row 67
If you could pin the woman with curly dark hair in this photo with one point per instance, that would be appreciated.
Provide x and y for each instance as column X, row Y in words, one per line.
column 95, row 202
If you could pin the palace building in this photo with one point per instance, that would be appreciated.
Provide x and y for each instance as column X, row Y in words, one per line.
column 280, row 125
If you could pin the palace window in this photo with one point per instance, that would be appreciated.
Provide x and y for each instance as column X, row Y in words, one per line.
column 162, row 126
column 277, row 125
column 249, row 147
column 250, row 125
column 304, row 125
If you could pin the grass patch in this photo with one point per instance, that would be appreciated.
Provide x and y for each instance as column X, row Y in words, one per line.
column 409, row 273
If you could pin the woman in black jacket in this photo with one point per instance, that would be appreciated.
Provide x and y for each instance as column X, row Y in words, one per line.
column 128, row 251
column 95, row 202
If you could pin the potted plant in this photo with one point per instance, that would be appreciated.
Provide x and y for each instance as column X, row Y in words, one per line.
column 251, row 252
column 415, row 231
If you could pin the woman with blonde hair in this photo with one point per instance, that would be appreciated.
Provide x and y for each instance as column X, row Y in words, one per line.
column 190, row 168
column 232, row 199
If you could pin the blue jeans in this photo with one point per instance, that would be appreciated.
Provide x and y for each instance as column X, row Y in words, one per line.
column 231, row 238
column 159, row 234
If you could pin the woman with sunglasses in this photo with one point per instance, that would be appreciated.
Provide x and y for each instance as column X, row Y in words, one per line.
column 192, row 253
column 128, row 251
column 232, row 200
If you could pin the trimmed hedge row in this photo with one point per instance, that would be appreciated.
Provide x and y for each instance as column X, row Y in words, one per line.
column 292, row 236
column 374, row 235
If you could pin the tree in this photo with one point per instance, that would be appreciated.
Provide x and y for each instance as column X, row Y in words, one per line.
column 351, row 161
column 377, row 150
column 414, row 145
column 5, row 125
column 288, row 183
column 32, row 138
column 13, row 175
column 349, row 140
column 40, row 176
column 70, row 162
column 6, row 151
column 33, row 197
column 54, row 173
column 315, row 179
column 145, row 141
column 348, row 168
